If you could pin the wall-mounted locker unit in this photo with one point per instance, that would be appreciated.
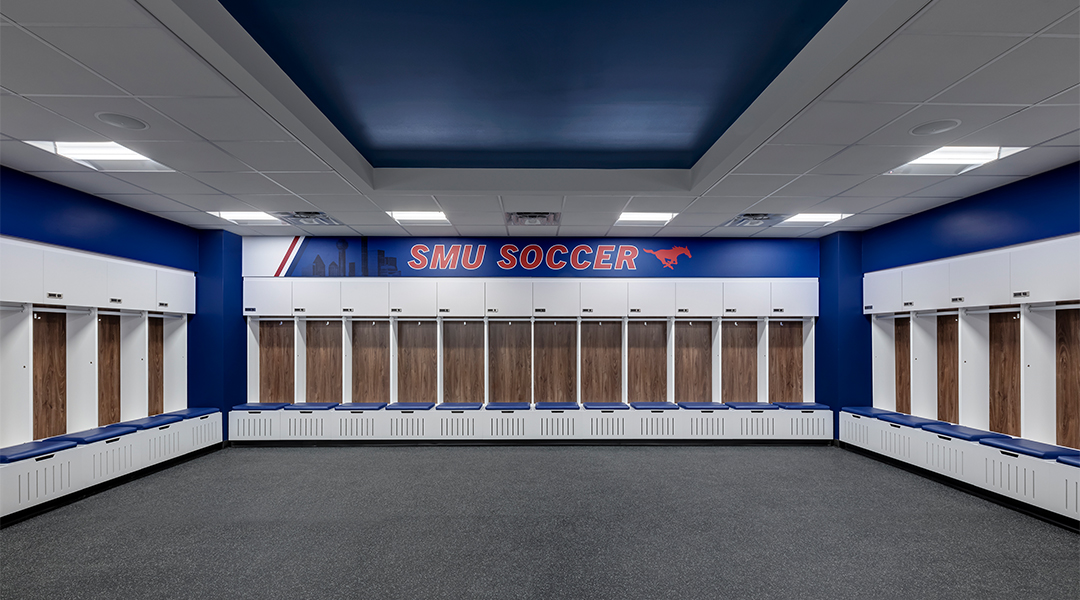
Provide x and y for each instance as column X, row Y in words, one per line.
column 794, row 298
column 1046, row 271
column 603, row 298
column 980, row 280
column 513, row 298
column 22, row 273
column 132, row 287
column 556, row 298
column 413, row 298
column 925, row 286
column 267, row 296
column 74, row 280
column 316, row 297
column 699, row 298
column 882, row 292
column 747, row 297
column 651, row 299
column 175, row 291
column 461, row 298
column 361, row 298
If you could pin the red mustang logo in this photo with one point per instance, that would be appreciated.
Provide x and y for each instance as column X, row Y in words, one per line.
column 670, row 257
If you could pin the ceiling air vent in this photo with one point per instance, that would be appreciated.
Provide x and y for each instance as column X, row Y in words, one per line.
column 533, row 218
column 306, row 218
column 754, row 220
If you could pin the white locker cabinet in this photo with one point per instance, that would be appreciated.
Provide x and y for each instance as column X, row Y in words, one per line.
column 747, row 298
column 651, row 298
column 461, row 297
column 21, row 273
column 133, row 287
column 316, row 297
column 413, row 298
column 981, row 280
column 509, row 298
column 365, row 298
column 175, row 291
column 556, row 298
column 699, row 298
column 794, row 297
column 267, row 296
column 74, row 280
column 925, row 286
column 603, row 298
column 1046, row 272
column 882, row 292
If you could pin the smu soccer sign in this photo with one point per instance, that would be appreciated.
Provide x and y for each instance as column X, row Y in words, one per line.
column 527, row 257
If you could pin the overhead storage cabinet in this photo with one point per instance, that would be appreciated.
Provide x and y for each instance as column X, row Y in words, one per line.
column 794, row 298
column 699, row 298
column 925, row 287
column 21, row 273
column 603, row 298
column 365, row 298
column 316, row 297
column 980, row 280
column 267, row 296
column 413, row 298
column 1046, row 272
column 461, row 298
column 175, row 291
column 74, row 280
column 556, row 298
column 747, row 298
column 508, row 298
column 133, row 287
column 651, row 299
column 882, row 292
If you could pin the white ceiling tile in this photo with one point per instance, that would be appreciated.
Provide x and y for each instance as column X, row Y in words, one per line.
column 1031, row 161
column 732, row 232
column 580, row 218
column 112, row 13
column 720, row 205
column 963, row 186
column 778, row 205
column 346, row 202
column 582, row 231
column 595, row 203
column 329, row 231
column 633, row 231
column 92, row 182
column 188, row 156
column 990, row 16
column 275, row 156
column 1070, row 97
column 868, row 220
column 532, row 203
column 275, row 230
column 972, row 118
column 821, row 186
column 146, row 202
column 166, row 184
column 83, row 110
column 910, row 205
column 701, row 219
column 161, row 66
column 387, row 202
column 1027, row 128
column 240, row 183
column 1069, row 139
column 671, row 231
column 273, row 203
column 1070, row 26
column 532, row 230
column 846, row 204
column 40, row 69
column 659, row 203
column 381, row 230
column 824, row 231
column 1031, row 73
column 784, row 232
column 193, row 217
column 892, row 186
column 24, row 157
column 222, row 119
column 482, row 230
column 364, row 218
column 206, row 202
column 749, row 185
column 313, row 183
column 787, row 159
column 838, row 122
column 458, row 204
column 24, row 120
column 476, row 218
column 871, row 160
column 429, row 230
column 237, row 229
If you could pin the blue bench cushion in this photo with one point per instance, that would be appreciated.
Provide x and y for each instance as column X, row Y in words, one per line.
column 508, row 406
column 969, row 434
column 1070, row 459
column 361, row 406
column 907, row 420
column 410, row 406
column 191, row 413
column 703, row 405
column 605, row 406
column 459, row 406
column 802, row 405
column 868, row 411
column 1028, row 447
column 556, row 406
column 33, row 450
column 654, row 405
column 94, row 435
column 753, row 406
column 311, row 406
column 149, row 422
column 260, row 406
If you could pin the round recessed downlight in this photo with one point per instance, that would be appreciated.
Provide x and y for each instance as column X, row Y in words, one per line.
column 121, row 121
column 934, row 127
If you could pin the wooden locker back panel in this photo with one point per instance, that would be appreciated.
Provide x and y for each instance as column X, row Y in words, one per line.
column 371, row 361
column 902, row 340
column 786, row 361
column 1068, row 378
column 738, row 361
column 1005, row 373
column 418, row 365
column 50, row 374
column 156, row 366
column 948, row 369
column 556, row 361
column 108, row 370
column 693, row 361
column 276, row 361
column 324, row 358
column 510, row 366
column 463, row 361
column 646, row 361
column 601, row 361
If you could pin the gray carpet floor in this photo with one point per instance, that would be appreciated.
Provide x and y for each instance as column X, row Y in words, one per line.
column 537, row 522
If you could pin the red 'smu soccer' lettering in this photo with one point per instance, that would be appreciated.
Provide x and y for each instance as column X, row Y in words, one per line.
column 603, row 257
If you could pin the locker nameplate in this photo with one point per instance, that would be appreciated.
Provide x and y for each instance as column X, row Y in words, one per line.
column 444, row 310
column 249, row 310
column 729, row 310
column 868, row 307
column 395, row 310
column 163, row 305
column 299, row 310
column 493, row 310
column 54, row 296
column 588, row 310
column 540, row 309
column 116, row 301
column 1021, row 294
column 346, row 310
column 778, row 310
column 635, row 310
column 958, row 299
column 909, row 304
column 684, row 310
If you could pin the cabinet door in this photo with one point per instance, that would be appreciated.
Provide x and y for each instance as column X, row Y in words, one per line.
column 603, row 298
column 981, row 280
column 132, row 286
column 794, row 297
column 267, row 296
column 74, row 280
column 1047, row 271
column 882, row 292
column 21, row 273
column 699, row 299
column 925, row 287
column 747, row 298
column 365, row 298
column 461, row 297
column 175, row 291
column 509, row 298
column 413, row 298
column 312, row 296
column 556, row 298
column 651, row 298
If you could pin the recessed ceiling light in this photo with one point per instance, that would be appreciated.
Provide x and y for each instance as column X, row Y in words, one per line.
column 811, row 219
column 954, row 160
column 121, row 121
column 418, row 217
column 247, row 217
column 101, row 156
column 935, row 127
column 645, row 218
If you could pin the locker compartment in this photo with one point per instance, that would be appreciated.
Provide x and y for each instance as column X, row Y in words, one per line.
column 74, row 280
column 1046, row 271
column 276, row 361
column 738, row 361
column 155, row 361
column 132, row 286
column 556, row 361
column 556, row 299
column 463, row 361
column 794, row 298
column 509, row 298
column 413, row 298
column 651, row 299
column 108, row 359
column 1067, row 345
column 882, row 292
column 312, row 297
column 981, row 280
column 510, row 361
column 785, row 361
column 175, row 292
column 603, row 298
column 21, row 273
column 1005, row 373
column 365, row 298
column 461, row 298
column 371, row 361
column 646, row 361
column 267, row 296
column 50, row 374
column 324, row 361
column 693, row 361
column 902, row 354
column 948, row 368
column 417, row 360
column 747, row 298
column 925, row 286
column 601, row 361
column 699, row 298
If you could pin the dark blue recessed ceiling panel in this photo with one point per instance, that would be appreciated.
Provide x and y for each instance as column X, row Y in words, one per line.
column 556, row 84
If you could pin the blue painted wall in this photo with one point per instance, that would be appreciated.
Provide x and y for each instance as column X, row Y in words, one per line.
column 1035, row 208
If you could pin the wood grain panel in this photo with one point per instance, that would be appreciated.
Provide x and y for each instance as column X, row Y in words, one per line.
column 108, row 370
column 948, row 369
column 1005, row 373
column 463, row 361
column 324, row 361
column 510, row 361
column 156, row 366
column 276, row 372
column 418, row 366
column 738, row 361
column 693, row 361
column 786, row 361
column 50, row 374
column 601, row 361
column 556, row 361
column 371, row 361
column 902, row 339
column 1068, row 378
column 646, row 361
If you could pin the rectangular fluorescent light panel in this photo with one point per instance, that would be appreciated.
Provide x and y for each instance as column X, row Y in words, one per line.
column 645, row 218
column 102, row 156
column 418, row 217
column 811, row 219
column 954, row 160
column 248, row 217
